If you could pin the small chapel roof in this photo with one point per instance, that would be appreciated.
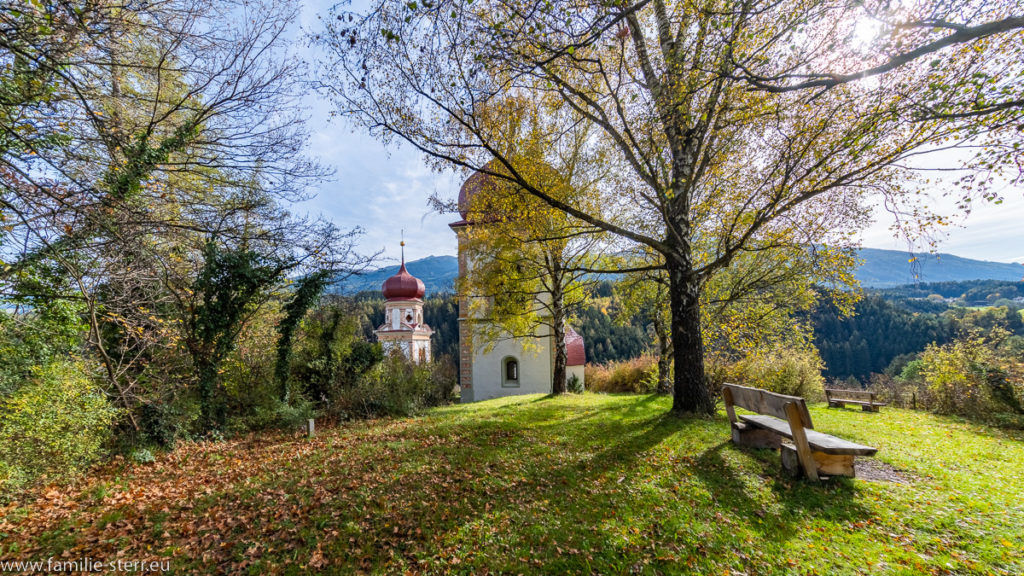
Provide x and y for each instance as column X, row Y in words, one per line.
column 574, row 348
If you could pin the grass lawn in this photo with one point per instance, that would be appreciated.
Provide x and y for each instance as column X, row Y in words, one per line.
column 582, row 484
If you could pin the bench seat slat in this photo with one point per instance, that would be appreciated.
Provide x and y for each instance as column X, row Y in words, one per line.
column 816, row 440
column 858, row 402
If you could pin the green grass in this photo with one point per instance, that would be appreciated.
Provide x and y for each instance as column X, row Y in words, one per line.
column 591, row 485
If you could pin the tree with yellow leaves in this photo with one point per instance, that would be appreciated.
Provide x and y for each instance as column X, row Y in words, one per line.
column 529, row 262
column 708, row 170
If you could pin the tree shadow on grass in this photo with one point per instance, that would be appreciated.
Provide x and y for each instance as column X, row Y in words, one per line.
column 548, row 482
column 782, row 501
column 607, row 461
column 501, row 480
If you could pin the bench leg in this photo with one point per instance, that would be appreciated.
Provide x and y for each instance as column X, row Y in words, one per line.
column 753, row 437
column 790, row 460
column 869, row 408
column 832, row 404
column 826, row 464
column 834, row 464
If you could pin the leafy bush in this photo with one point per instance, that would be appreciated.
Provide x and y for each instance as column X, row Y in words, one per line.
column 974, row 376
column 162, row 423
column 397, row 387
column 637, row 375
column 56, row 423
column 274, row 414
column 796, row 372
column 331, row 356
column 30, row 340
column 965, row 378
column 142, row 456
column 900, row 393
column 254, row 395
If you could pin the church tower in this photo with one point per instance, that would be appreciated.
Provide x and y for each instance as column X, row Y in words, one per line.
column 403, row 328
column 513, row 365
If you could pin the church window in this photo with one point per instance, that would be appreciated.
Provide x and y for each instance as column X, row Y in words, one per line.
column 510, row 372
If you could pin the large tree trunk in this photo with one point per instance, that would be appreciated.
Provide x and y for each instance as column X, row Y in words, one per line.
column 557, row 289
column 558, row 377
column 561, row 359
column 691, row 394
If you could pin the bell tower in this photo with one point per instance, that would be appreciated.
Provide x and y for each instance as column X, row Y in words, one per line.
column 403, row 328
column 517, row 364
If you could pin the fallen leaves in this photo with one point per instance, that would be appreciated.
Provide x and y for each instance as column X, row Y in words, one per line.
column 519, row 493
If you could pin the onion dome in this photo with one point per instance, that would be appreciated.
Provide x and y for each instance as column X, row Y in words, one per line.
column 403, row 286
column 474, row 184
column 576, row 355
column 541, row 175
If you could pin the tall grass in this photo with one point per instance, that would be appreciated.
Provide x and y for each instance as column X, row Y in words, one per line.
column 637, row 375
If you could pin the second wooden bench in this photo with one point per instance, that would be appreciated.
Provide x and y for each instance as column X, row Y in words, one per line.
column 838, row 398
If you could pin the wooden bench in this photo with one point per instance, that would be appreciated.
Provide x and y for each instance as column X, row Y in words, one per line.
column 786, row 417
column 864, row 398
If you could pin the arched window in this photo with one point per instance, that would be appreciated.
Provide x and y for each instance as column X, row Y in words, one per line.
column 510, row 372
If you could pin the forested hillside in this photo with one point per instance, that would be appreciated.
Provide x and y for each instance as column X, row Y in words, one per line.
column 886, row 324
column 877, row 333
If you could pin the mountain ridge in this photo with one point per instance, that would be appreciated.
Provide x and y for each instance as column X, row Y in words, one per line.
column 880, row 269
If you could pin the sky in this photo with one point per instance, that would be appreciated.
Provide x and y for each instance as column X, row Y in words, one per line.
column 385, row 190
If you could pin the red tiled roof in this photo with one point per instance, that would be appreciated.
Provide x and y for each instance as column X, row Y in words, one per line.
column 574, row 348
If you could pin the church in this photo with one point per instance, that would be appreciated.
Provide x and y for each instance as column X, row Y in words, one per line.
column 511, row 366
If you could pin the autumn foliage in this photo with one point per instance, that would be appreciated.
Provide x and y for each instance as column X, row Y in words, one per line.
column 637, row 375
column 577, row 484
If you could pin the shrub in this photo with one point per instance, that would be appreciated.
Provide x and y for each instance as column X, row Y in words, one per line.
column 162, row 423
column 272, row 413
column 574, row 384
column 30, row 340
column 960, row 375
column 142, row 456
column 637, row 375
column 397, row 387
column 796, row 372
column 974, row 376
column 55, row 424
column 254, row 395
column 332, row 357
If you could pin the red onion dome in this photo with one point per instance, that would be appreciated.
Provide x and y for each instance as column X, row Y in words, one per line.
column 575, row 352
column 403, row 286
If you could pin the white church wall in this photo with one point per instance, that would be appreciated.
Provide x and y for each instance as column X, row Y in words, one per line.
column 575, row 371
column 489, row 370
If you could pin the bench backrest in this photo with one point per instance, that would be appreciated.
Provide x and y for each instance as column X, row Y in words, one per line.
column 862, row 395
column 763, row 402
